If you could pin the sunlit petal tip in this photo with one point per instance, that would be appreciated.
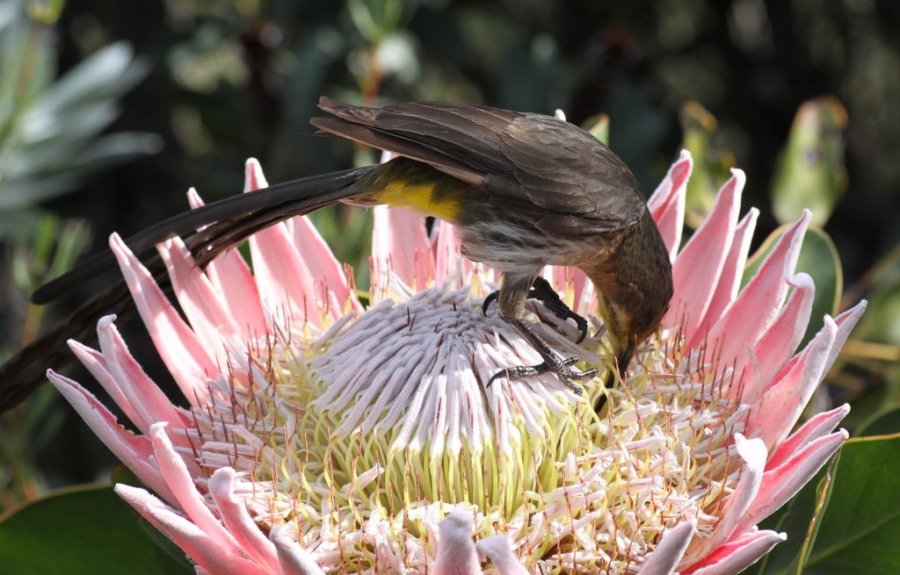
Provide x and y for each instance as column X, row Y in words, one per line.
column 780, row 407
column 783, row 482
column 173, row 467
column 254, row 178
column 134, row 451
column 815, row 427
column 753, row 452
column 237, row 519
column 456, row 553
column 205, row 309
column 697, row 271
column 761, row 300
column 667, row 203
column 845, row 321
column 670, row 550
column 194, row 199
column 96, row 364
column 497, row 548
column 780, row 341
column 180, row 348
column 146, row 400
column 207, row 552
column 294, row 560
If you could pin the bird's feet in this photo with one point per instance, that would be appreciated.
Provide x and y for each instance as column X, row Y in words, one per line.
column 542, row 291
column 553, row 362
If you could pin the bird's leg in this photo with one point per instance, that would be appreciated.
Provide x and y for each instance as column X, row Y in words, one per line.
column 542, row 290
column 553, row 361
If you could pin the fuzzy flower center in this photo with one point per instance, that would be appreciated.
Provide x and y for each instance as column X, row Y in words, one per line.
column 363, row 439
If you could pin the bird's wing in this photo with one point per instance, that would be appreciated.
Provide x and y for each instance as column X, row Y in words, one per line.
column 571, row 182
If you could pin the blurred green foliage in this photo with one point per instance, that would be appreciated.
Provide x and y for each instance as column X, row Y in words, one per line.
column 51, row 138
column 810, row 174
column 50, row 129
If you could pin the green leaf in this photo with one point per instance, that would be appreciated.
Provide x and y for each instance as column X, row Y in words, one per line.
column 885, row 423
column 810, row 172
column 880, row 322
column 861, row 527
column 846, row 521
column 598, row 126
column 711, row 165
column 818, row 258
column 85, row 530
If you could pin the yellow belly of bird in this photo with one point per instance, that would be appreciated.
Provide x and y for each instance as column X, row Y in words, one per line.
column 420, row 197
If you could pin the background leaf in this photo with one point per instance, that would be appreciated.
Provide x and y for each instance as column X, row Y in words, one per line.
column 856, row 524
column 81, row 531
column 810, row 173
column 861, row 527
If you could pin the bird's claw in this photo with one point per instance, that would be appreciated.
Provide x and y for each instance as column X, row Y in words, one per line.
column 562, row 368
column 553, row 362
column 491, row 298
column 542, row 291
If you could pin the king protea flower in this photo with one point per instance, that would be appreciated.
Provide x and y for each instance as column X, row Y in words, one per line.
column 322, row 435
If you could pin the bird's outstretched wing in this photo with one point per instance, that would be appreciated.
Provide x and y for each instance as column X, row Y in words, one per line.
column 531, row 161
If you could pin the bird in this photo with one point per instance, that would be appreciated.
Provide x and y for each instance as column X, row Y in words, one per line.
column 525, row 190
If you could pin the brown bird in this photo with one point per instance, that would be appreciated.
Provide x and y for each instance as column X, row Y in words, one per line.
column 525, row 190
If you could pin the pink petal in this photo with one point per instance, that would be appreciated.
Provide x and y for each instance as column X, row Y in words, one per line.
column 782, row 403
column 846, row 321
column 735, row 505
column 134, row 451
column 231, row 277
column 668, row 553
column 319, row 258
column 237, row 519
column 233, row 281
column 456, row 551
column 815, row 427
column 294, row 559
column 499, row 551
column 95, row 363
column 759, row 302
column 209, row 317
column 449, row 263
column 179, row 480
column 286, row 285
column 730, row 279
column 737, row 554
column 203, row 549
column 666, row 204
column 181, row 351
column 699, row 265
column 149, row 403
column 784, row 481
column 773, row 350
column 400, row 246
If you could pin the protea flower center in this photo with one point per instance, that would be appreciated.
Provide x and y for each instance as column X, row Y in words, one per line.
column 326, row 437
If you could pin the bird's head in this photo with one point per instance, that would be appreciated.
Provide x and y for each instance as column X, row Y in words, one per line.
column 635, row 293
